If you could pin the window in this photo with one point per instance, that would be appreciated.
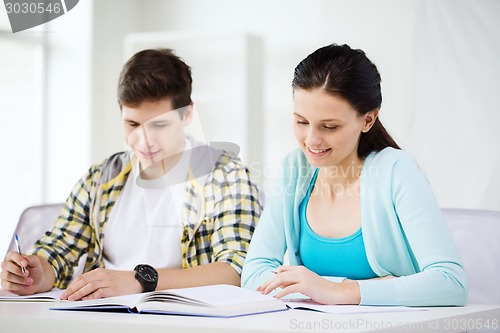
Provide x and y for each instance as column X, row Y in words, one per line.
column 21, row 134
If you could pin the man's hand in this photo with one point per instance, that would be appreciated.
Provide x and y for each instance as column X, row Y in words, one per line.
column 39, row 274
column 101, row 283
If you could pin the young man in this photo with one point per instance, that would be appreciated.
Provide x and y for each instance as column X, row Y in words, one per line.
column 169, row 213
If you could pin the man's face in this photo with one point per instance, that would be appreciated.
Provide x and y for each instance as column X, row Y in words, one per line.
column 155, row 133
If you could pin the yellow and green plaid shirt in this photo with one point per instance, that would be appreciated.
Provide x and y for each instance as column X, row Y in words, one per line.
column 218, row 217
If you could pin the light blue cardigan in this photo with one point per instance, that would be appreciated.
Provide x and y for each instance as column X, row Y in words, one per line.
column 403, row 229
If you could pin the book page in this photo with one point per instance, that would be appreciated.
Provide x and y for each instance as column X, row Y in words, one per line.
column 126, row 301
column 50, row 296
column 208, row 301
column 215, row 295
column 309, row 304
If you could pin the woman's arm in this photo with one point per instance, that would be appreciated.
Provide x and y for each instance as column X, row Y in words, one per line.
column 439, row 278
column 267, row 248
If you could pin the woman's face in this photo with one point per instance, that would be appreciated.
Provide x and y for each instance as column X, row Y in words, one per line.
column 327, row 128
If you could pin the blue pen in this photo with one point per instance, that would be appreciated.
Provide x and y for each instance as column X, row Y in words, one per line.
column 16, row 239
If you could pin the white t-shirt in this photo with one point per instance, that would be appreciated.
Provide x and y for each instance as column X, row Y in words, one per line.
column 145, row 225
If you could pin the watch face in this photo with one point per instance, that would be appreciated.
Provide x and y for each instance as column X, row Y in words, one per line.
column 147, row 273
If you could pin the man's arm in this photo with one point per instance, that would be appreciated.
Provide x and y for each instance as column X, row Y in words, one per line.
column 208, row 274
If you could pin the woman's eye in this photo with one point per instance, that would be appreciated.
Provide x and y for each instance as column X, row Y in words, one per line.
column 300, row 122
column 330, row 128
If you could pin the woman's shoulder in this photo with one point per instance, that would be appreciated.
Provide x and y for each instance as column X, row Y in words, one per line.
column 391, row 162
column 390, row 156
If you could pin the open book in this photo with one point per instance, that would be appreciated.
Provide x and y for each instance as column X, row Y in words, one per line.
column 50, row 296
column 207, row 301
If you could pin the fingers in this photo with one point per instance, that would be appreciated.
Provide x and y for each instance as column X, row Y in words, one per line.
column 293, row 288
column 16, row 260
column 99, row 293
column 12, row 273
column 278, row 281
column 90, row 290
column 285, row 277
column 13, row 279
column 262, row 287
column 76, row 290
column 86, row 286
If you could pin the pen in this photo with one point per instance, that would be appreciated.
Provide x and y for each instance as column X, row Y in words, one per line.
column 16, row 239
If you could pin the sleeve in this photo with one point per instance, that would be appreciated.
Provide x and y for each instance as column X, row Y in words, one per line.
column 440, row 279
column 268, row 246
column 71, row 235
column 236, row 214
column 270, row 242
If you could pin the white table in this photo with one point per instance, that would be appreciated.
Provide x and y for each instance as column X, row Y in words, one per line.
column 37, row 318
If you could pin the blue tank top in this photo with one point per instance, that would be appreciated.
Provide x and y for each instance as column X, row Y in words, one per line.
column 343, row 257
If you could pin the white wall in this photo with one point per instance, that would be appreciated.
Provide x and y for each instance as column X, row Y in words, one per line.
column 392, row 33
column 289, row 30
column 67, row 101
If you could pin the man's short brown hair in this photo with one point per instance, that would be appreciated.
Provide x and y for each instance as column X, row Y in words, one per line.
column 152, row 75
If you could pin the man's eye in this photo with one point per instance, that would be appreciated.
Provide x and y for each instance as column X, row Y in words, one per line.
column 133, row 124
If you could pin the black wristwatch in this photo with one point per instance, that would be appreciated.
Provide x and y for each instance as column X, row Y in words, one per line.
column 147, row 277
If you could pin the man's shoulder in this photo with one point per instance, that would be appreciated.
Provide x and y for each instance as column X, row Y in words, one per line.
column 207, row 160
column 112, row 166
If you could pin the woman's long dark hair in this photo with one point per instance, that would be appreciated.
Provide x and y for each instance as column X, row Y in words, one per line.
column 349, row 74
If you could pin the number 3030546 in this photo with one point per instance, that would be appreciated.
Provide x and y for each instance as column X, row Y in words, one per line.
column 32, row 8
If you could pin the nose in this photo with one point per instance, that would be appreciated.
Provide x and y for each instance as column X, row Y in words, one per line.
column 313, row 137
column 141, row 138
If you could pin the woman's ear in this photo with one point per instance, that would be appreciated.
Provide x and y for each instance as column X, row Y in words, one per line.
column 370, row 118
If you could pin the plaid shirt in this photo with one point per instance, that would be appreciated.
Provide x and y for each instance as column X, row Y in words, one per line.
column 218, row 217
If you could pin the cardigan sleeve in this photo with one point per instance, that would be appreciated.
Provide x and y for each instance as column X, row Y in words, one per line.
column 268, row 246
column 439, row 278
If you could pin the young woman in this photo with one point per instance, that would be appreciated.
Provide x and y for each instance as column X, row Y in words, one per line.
column 356, row 214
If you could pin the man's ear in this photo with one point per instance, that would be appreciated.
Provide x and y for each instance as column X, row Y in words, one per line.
column 188, row 114
column 370, row 118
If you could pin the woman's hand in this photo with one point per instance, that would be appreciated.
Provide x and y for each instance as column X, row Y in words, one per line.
column 101, row 283
column 298, row 279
